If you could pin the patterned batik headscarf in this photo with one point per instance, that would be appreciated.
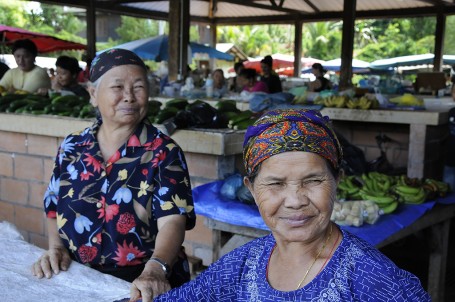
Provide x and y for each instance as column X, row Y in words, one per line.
column 111, row 58
column 279, row 131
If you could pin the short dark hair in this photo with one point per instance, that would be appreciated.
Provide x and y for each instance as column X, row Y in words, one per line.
column 69, row 63
column 268, row 60
column 319, row 67
column 249, row 73
column 238, row 65
column 27, row 44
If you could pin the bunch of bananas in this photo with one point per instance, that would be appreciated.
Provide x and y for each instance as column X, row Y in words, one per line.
column 435, row 188
column 409, row 194
column 376, row 187
column 300, row 99
column 362, row 103
column 337, row 101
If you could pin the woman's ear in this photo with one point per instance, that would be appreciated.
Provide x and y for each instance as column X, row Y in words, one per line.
column 92, row 92
column 248, row 184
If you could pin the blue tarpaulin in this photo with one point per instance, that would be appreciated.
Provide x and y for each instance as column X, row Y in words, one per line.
column 156, row 49
column 208, row 202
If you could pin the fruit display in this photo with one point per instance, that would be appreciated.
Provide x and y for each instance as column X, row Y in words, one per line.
column 344, row 101
column 390, row 191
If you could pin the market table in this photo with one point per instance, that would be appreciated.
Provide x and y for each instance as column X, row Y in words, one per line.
column 233, row 223
column 79, row 283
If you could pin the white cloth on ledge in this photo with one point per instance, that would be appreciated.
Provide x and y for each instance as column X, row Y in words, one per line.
column 79, row 284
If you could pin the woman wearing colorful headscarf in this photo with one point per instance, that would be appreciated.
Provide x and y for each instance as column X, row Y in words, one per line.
column 292, row 160
column 120, row 199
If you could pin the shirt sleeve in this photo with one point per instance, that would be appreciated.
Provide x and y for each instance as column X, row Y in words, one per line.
column 51, row 195
column 172, row 185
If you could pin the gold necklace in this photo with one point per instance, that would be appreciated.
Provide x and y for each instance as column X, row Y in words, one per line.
column 316, row 258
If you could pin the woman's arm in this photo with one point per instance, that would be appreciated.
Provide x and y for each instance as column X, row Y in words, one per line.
column 56, row 258
column 152, row 282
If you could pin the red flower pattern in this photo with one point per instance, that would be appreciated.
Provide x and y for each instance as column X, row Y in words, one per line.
column 91, row 161
column 85, row 175
column 87, row 253
column 158, row 158
column 133, row 141
column 154, row 144
column 125, row 223
column 128, row 254
column 145, row 172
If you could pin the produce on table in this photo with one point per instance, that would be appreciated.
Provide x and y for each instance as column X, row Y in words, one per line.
column 344, row 101
column 407, row 99
column 389, row 191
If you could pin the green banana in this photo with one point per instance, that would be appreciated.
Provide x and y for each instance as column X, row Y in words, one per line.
column 389, row 208
column 380, row 199
column 414, row 198
column 407, row 189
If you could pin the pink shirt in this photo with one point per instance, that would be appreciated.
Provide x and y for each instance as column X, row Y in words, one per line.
column 259, row 86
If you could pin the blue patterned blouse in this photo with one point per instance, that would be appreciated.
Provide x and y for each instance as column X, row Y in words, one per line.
column 107, row 211
column 356, row 272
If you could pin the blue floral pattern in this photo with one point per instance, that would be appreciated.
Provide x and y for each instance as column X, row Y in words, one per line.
column 107, row 211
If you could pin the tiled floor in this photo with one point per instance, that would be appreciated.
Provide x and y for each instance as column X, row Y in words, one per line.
column 411, row 254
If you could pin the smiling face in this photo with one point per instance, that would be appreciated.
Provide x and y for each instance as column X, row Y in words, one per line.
column 122, row 95
column 295, row 192
column 25, row 60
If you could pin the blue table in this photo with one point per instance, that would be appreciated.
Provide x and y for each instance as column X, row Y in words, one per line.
column 234, row 223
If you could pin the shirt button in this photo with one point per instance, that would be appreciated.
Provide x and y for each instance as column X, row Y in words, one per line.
column 103, row 173
column 98, row 205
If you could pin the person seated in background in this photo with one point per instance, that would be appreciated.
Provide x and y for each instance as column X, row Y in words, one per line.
column 269, row 77
column 292, row 161
column 66, row 79
column 321, row 83
column 249, row 80
column 219, row 83
column 26, row 76
column 234, row 85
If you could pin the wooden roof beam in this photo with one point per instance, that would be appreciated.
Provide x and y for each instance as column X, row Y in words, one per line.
column 310, row 4
column 263, row 6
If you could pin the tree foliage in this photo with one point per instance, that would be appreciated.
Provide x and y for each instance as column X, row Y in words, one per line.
column 374, row 39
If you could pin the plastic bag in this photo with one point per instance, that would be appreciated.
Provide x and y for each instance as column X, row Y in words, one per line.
column 231, row 185
column 355, row 212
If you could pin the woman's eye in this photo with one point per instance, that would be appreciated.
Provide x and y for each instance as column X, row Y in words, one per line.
column 313, row 181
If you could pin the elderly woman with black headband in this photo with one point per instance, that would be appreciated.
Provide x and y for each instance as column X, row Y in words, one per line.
column 119, row 199
column 292, row 160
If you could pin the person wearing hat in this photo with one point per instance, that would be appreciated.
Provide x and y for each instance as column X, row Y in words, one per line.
column 26, row 76
column 119, row 199
column 320, row 83
column 292, row 162
column 68, row 70
column 269, row 77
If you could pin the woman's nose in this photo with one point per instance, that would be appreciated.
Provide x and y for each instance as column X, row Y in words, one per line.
column 128, row 94
column 296, row 197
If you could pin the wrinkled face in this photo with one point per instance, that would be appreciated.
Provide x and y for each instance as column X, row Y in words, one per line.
column 122, row 95
column 24, row 59
column 295, row 192
column 65, row 78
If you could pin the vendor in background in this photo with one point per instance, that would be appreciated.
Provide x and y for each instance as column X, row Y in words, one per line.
column 321, row 83
column 219, row 83
column 234, row 85
column 66, row 79
column 269, row 77
column 248, row 78
column 26, row 76
column 120, row 198
column 292, row 160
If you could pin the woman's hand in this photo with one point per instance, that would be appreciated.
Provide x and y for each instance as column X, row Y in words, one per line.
column 150, row 284
column 51, row 262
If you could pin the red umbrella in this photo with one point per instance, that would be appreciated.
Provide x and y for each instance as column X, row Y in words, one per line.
column 44, row 43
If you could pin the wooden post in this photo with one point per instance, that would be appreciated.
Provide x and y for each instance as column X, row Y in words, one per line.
column 298, row 49
column 179, row 32
column 439, row 41
column 347, row 44
column 91, row 30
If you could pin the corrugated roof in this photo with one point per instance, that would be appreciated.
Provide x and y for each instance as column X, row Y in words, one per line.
column 296, row 9
column 268, row 11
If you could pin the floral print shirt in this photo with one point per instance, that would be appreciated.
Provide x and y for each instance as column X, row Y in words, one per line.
column 107, row 212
